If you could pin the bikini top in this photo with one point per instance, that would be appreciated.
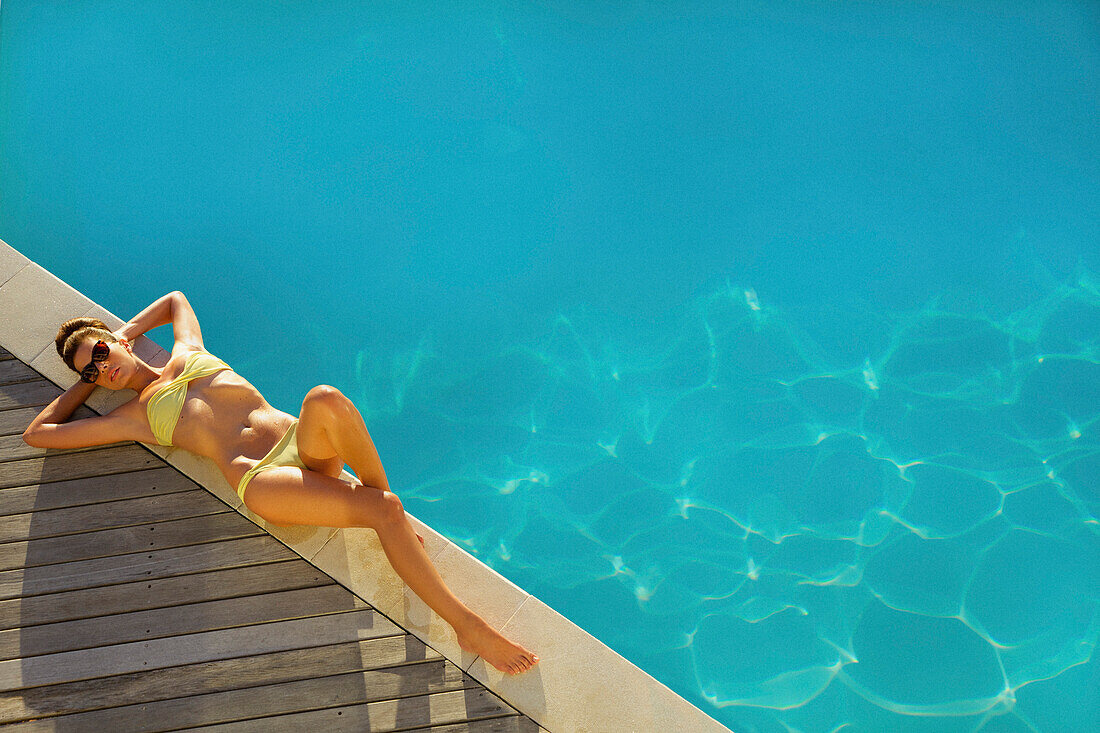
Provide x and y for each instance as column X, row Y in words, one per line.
column 166, row 404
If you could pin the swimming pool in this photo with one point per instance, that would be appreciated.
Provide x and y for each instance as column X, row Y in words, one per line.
column 760, row 342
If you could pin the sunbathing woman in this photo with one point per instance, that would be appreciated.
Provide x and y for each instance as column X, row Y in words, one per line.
column 286, row 470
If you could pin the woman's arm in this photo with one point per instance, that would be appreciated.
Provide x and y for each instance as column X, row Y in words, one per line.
column 49, row 429
column 171, row 308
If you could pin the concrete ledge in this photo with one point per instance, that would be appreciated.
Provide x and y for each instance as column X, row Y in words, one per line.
column 579, row 685
column 11, row 262
column 34, row 304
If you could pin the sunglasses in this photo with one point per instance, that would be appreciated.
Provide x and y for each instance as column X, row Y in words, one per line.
column 100, row 352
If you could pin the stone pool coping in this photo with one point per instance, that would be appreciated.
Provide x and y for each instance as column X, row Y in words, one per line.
column 579, row 685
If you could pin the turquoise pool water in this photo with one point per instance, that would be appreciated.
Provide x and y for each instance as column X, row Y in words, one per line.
column 759, row 340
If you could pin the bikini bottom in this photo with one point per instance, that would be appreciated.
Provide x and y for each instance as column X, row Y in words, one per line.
column 285, row 453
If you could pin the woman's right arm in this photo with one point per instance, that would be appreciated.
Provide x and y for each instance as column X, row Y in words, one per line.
column 171, row 308
column 49, row 429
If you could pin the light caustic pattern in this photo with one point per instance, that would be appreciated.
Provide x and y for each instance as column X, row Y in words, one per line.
column 795, row 535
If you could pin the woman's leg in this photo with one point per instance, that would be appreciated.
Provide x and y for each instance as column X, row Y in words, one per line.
column 324, row 406
column 296, row 496
column 330, row 425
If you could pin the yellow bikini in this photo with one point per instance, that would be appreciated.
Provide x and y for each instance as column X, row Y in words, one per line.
column 285, row 453
column 166, row 404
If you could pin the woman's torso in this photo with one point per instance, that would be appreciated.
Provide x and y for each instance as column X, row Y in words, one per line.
column 223, row 417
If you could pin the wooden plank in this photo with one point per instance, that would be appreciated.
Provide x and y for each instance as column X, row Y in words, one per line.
column 94, row 489
column 403, row 713
column 510, row 724
column 141, row 566
column 15, row 421
column 13, row 370
column 144, row 537
column 5, row 354
column 454, row 707
column 406, row 687
column 27, row 394
column 176, row 620
column 107, row 515
column 216, row 676
column 12, row 448
column 159, row 593
column 207, row 646
column 66, row 466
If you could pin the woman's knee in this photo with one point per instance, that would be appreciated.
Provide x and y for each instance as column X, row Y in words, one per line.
column 325, row 397
column 389, row 510
column 325, row 393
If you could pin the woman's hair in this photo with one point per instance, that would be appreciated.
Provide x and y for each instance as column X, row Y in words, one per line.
column 73, row 332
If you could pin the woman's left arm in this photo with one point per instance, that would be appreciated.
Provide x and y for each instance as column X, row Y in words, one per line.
column 53, row 429
column 171, row 308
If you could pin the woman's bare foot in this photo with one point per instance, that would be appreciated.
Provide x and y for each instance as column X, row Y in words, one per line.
column 492, row 646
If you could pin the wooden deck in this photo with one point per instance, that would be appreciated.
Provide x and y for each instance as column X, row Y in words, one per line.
column 131, row 599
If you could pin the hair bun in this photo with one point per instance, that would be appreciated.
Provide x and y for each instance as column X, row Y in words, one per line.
column 71, row 326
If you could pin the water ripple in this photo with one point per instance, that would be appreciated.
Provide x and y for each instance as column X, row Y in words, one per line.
column 795, row 538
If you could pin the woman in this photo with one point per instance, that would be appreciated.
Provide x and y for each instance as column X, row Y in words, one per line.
column 287, row 470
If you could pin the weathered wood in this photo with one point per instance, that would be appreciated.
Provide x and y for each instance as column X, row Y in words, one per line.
column 160, row 593
column 403, row 683
column 141, row 566
column 123, row 513
column 27, row 394
column 13, row 370
column 160, row 479
column 144, row 537
column 509, row 724
column 66, row 466
column 402, row 713
column 5, row 354
column 162, row 622
column 15, row 421
column 215, row 676
column 194, row 648
column 12, row 448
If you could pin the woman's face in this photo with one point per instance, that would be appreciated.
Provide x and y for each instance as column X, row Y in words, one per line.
column 114, row 371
